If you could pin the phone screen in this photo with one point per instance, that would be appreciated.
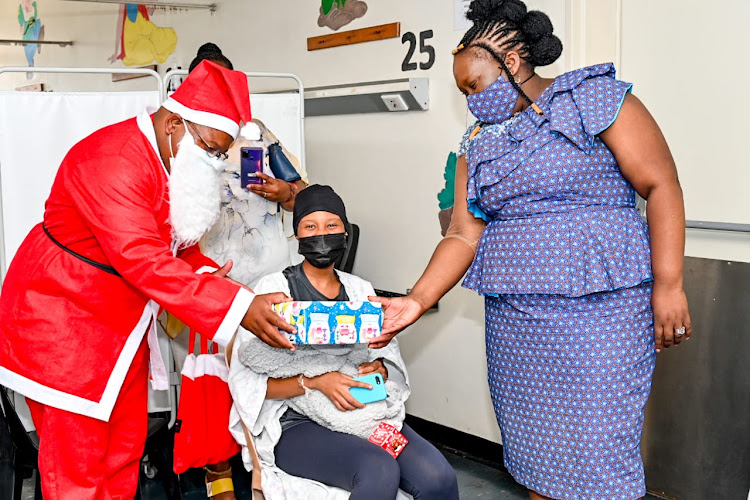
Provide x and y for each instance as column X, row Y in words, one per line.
column 251, row 163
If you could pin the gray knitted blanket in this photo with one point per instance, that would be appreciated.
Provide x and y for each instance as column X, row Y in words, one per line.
column 312, row 361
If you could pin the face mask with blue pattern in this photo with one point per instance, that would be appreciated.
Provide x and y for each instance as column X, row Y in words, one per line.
column 496, row 103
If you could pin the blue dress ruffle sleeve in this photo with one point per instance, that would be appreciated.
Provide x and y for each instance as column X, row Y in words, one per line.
column 561, row 217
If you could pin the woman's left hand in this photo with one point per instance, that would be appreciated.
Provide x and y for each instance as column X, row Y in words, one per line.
column 376, row 366
column 670, row 314
column 272, row 189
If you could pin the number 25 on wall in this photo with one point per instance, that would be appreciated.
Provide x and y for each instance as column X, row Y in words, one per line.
column 410, row 37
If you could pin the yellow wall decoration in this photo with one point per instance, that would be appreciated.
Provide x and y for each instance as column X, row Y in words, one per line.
column 139, row 41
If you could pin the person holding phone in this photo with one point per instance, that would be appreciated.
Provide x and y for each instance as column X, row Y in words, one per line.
column 250, row 228
column 580, row 293
column 293, row 444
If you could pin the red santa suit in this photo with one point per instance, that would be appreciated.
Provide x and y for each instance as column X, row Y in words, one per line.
column 72, row 336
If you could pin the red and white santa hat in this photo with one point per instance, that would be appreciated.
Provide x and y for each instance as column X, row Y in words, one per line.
column 213, row 96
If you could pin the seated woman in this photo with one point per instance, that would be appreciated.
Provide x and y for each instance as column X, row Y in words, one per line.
column 297, row 405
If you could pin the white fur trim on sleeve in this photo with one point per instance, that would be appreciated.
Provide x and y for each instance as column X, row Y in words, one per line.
column 206, row 269
column 234, row 316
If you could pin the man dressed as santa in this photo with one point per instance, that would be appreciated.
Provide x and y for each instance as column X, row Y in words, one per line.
column 119, row 242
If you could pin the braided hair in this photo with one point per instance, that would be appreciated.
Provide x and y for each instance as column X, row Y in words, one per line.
column 507, row 24
column 210, row 52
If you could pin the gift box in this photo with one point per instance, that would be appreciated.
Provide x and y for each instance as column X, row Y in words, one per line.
column 389, row 438
column 332, row 322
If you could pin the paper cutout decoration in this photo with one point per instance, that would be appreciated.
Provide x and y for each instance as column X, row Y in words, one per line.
column 139, row 41
column 446, row 196
column 338, row 13
column 31, row 29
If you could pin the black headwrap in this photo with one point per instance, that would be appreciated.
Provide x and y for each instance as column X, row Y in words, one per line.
column 318, row 198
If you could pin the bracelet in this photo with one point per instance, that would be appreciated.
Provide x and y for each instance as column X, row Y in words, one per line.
column 301, row 383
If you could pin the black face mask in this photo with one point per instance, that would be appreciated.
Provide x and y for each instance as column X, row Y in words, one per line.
column 323, row 250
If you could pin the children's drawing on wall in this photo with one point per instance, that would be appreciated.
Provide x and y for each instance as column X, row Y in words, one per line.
column 447, row 195
column 31, row 29
column 139, row 41
column 337, row 13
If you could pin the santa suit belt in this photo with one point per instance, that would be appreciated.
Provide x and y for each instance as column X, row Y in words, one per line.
column 98, row 265
column 159, row 377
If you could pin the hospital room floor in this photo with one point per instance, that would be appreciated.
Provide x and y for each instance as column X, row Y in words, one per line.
column 475, row 481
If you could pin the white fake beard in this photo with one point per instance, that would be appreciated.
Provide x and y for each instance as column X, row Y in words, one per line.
column 194, row 192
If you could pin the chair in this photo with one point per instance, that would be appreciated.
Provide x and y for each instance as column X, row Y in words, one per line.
column 26, row 444
column 19, row 451
column 346, row 261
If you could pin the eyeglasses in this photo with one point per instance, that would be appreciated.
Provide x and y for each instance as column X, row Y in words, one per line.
column 210, row 151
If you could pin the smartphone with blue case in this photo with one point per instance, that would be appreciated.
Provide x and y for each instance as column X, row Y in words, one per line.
column 251, row 164
column 377, row 393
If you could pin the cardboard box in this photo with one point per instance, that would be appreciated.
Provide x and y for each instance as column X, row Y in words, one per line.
column 332, row 322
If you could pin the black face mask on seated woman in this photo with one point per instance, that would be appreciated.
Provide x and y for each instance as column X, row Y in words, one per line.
column 321, row 250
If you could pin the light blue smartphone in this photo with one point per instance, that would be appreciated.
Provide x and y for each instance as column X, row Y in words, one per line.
column 377, row 393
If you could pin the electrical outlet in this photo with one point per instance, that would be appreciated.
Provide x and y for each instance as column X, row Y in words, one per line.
column 395, row 102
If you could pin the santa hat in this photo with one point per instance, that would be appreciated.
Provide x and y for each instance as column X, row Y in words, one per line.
column 213, row 96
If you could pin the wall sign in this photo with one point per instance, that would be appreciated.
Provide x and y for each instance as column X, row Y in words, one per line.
column 370, row 34
column 424, row 48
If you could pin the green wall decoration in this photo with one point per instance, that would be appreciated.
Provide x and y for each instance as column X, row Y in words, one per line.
column 328, row 5
column 445, row 197
column 337, row 13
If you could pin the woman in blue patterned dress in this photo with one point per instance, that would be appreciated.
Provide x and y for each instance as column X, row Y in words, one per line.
column 580, row 294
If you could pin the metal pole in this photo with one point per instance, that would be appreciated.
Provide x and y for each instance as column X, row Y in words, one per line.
column 184, row 5
column 717, row 226
column 101, row 71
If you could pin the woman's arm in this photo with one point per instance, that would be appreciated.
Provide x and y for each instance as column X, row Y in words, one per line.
column 284, row 388
column 295, row 188
column 277, row 190
column 334, row 385
column 448, row 264
column 646, row 162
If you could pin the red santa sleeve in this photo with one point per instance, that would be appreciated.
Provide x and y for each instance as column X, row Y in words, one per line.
column 199, row 262
column 116, row 198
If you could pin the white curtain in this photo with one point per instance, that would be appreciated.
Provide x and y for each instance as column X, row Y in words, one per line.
column 282, row 115
column 36, row 131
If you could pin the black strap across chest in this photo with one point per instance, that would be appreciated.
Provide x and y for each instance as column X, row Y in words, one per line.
column 98, row 265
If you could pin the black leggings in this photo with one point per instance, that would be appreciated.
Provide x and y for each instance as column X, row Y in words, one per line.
column 349, row 462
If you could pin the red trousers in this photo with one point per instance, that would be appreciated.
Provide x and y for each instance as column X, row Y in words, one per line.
column 86, row 459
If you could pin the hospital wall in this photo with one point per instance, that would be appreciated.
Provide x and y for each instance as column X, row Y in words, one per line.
column 389, row 167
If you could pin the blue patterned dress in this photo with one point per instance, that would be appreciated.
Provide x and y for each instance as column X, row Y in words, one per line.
column 564, row 265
